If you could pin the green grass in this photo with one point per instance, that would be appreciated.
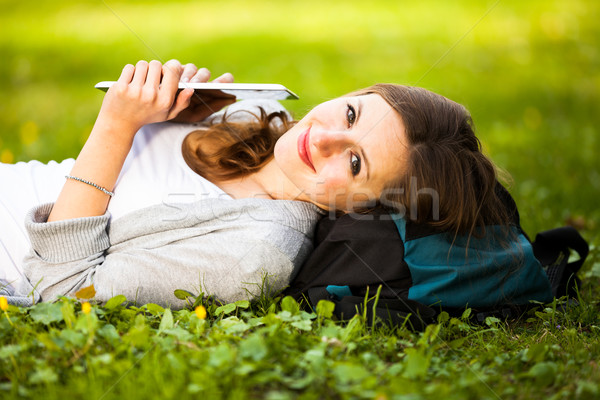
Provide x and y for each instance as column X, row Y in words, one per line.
column 274, row 350
column 529, row 73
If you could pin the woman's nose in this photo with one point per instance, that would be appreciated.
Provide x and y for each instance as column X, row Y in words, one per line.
column 329, row 142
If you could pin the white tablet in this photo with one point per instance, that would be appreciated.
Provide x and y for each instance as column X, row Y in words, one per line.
column 239, row 90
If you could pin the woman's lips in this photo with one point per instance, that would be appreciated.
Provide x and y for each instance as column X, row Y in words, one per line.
column 304, row 149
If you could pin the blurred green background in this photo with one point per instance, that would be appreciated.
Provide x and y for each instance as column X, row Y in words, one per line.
column 527, row 70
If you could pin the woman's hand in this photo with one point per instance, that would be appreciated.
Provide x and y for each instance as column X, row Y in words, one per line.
column 144, row 94
column 203, row 104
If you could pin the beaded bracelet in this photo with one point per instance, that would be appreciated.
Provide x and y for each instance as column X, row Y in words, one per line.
column 108, row 192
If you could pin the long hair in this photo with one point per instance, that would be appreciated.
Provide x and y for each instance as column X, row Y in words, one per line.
column 229, row 150
column 448, row 182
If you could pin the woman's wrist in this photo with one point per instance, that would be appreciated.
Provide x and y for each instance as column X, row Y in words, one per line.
column 99, row 162
column 115, row 132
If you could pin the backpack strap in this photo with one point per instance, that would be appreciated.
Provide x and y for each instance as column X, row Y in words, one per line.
column 396, row 311
column 552, row 248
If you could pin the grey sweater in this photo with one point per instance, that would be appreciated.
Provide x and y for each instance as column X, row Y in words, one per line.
column 231, row 249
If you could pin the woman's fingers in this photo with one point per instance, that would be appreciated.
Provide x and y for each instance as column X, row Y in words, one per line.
column 194, row 75
column 203, row 75
column 172, row 71
column 189, row 70
column 225, row 78
column 141, row 70
column 150, row 93
column 126, row 74
column 181, row 103
column 154, row 74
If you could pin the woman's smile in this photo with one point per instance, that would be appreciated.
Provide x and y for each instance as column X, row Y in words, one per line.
column 304, row 148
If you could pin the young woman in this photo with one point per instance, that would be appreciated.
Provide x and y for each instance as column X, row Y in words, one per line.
column 228, row 207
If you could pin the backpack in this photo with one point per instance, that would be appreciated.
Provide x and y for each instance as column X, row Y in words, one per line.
column 387, row 266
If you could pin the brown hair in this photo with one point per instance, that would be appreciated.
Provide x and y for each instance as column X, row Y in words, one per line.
column 229, row 150
column 448, row 182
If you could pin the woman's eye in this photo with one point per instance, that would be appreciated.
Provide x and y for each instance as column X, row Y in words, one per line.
column 355, row 164
column 350, row 115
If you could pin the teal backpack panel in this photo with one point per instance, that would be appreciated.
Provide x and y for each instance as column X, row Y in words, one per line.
column 489, row 274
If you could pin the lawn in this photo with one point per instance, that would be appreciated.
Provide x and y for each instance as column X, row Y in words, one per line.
column 529, row 72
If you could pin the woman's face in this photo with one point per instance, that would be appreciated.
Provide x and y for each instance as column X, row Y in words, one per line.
column 344, row 152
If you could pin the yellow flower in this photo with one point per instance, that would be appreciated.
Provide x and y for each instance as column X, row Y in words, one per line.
column 200, row 312
column 3, row 303
column 86, row 308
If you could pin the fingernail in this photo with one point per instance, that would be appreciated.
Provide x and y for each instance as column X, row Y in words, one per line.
column 185, row 79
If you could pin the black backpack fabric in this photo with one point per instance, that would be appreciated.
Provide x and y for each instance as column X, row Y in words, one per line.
column 356, row 255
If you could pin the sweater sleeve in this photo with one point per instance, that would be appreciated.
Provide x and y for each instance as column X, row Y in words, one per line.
column 228, row 264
